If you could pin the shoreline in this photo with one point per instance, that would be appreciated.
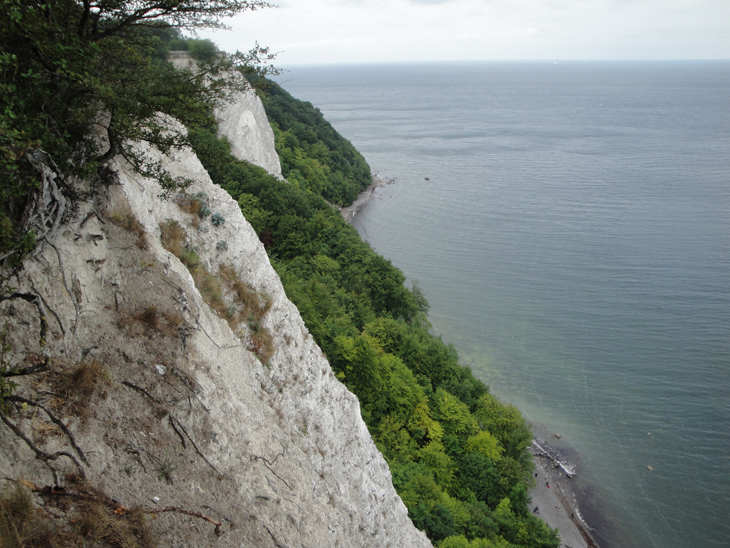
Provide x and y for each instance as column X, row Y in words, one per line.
column 553, row 498
column 556, row 505
column 365, row 197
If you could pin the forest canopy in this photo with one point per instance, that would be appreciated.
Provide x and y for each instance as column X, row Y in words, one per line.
column 312, row 154
column 457, row 455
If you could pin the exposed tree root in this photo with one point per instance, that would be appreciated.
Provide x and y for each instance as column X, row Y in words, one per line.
column 175, row 423
column 179, row 424
column 117, row 506
column 56, row 421
column 39, row 454
column 179, row 510
column 35, row 300
column 269, row 464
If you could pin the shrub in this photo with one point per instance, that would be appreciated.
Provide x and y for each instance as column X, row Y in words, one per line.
column 217, row 219
column 202, row 50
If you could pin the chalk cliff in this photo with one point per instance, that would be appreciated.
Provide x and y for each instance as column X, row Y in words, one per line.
column 180, row 415
column 243, row 121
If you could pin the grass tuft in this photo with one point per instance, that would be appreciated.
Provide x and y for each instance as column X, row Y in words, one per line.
column 86, row 523
column 173, row 237
column 21, row 525
column 78, row 386
column 211, row 291
column 151, row 319
column 248, row 304
column 129, row 222
column 196, row 205
column 253, row 307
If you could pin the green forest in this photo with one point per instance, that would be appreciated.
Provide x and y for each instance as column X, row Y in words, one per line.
column 457, row 455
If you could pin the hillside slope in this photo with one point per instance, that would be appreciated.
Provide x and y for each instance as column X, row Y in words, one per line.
column 175, row 413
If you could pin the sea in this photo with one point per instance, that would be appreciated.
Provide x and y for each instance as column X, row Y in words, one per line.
column 569, row 223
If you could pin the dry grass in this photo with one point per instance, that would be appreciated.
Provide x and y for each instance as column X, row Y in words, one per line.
column 22, row 526
column 253, row 307
column 152, row 319
column 262, row 345
column 81, row 524
column 78, row 386
column 129, row 222
column 249, row 305
column 254, row 304
column 212, row 293
column 173, row 239
column 172, row 236
column 196, row 205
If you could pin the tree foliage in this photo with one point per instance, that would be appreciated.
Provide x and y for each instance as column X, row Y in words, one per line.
column 73, row 70
column 457, row 455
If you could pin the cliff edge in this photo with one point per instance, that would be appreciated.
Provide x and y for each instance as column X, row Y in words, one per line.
column 242, row 119
column 162, row 405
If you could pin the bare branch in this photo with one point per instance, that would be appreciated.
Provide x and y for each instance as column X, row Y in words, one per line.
column 40, row 455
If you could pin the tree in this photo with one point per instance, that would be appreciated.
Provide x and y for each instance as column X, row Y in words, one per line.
column 203, row 50
column 480, row 475
column 70, row 69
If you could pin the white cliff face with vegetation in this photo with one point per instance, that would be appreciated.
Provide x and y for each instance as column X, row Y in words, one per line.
column 243, row 120
column 166, row 406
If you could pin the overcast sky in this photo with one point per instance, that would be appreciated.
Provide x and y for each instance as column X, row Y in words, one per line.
column 355, row 31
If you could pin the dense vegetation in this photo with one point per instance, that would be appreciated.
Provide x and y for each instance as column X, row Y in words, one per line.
column 68, row 68
column 457, row 455
column 313, row 155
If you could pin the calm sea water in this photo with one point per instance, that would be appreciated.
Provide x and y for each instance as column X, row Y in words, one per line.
column 573, row 239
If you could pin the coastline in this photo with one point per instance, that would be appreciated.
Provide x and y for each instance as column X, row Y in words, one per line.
column 365, row 197
column 557, row 504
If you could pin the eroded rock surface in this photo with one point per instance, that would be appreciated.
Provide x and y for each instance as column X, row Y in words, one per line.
column 243, row 120
column 185, row 416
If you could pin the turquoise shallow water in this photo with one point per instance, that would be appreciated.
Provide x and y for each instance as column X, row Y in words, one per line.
column 573, row 240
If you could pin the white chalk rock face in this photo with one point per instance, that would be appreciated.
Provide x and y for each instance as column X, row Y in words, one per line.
column 243, row 121
column 188, row 417
column 290, row 435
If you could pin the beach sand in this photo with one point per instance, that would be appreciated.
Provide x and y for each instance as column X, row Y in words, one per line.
column 556, row 505
column 350, row 212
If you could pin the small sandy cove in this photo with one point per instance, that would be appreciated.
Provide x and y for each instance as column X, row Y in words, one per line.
column 553, row 501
